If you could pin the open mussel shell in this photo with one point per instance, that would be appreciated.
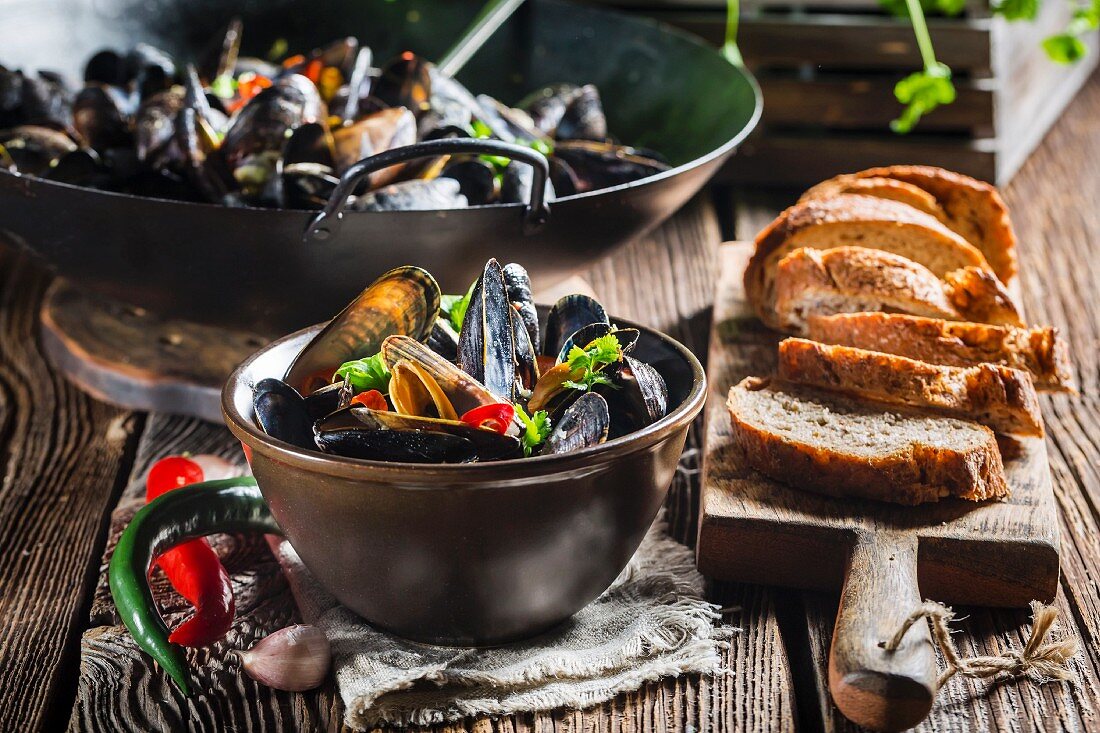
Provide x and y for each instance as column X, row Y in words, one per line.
column 595, row 165
column 570, row 314
column 283, row 413
column 486, row 346
column 518, row 283
column 486, row 445
column 404, row 301
column 638, row 396
column 582, row 424
column 328, row 400
column 627, row 338
column 462, row 390
column 414, row 391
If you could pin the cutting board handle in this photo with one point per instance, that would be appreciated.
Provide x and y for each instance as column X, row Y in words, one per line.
column 885, row 691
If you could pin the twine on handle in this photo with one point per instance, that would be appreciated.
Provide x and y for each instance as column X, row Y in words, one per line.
column 1040, row 660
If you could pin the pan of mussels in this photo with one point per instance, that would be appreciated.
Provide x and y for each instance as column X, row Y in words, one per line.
column 465, row 469
column 230, row 163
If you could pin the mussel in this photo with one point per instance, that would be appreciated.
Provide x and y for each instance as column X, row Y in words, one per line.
column 584, row 423
column 477, row 180
column 328, row 400
column 405, row 300
column 283, row 413
column 486, row 343
column 583, row 117
column 439, row 193
column 462, row 391
column 638, row 396
column 518, row 283
column 569, row 314
column 595, row 165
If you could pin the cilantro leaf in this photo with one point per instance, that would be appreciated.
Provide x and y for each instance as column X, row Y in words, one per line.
column 364, row 374
column 536, row 428
column 590, row 360
column 922, row 92
column 455, row 306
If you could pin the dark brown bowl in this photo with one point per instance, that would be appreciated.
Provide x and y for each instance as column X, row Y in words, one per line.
column 474, row 554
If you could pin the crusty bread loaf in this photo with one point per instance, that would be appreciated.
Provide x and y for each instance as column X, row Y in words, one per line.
column 1002, row 398
column 1039, row 351
column 853, row 220
column 852, row 279
column 883, row 188
column 981, row 297
column 827, row 443
column 973, row 209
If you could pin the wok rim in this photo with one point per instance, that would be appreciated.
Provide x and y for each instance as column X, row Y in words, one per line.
column 724, row 149
column 471, row 475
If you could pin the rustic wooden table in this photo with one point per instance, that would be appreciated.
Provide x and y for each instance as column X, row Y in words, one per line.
column 69, row 464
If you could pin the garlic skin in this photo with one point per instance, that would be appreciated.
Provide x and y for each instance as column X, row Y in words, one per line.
column 294, row 659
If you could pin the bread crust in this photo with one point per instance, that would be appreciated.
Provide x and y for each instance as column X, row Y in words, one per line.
column 974, row 209
column 847, row 217
column 884, row 188
column 919, row 474
column 1042, row 352
column 981, row 297
column 1002, row 398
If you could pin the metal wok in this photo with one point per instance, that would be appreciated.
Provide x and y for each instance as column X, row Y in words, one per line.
column 274, row 271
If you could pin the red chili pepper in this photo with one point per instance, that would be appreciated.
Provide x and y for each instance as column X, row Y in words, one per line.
column 193, row 568
column 313, row 70
column 491, row 417
column 372, row 398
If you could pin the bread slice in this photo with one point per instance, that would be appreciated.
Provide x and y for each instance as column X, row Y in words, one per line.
column 973, row 209
column 852, row 279
column 981, row 297
column 853, row 220
column 883, row 188
column 1002, row 398
column 830, row 444
column 1039, row 351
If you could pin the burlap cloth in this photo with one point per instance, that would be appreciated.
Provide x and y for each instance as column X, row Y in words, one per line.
column 653, row 622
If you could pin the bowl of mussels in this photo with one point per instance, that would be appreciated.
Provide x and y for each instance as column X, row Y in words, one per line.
column 467, row 469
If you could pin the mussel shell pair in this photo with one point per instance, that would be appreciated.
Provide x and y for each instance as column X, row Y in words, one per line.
column 359, row 432
column 405, row 301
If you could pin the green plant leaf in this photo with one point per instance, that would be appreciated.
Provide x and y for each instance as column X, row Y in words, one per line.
column 1065, row 48
column 1016, row 9
column 455, row 307
column 535, row 428
column 921, row 92
column 364, row 374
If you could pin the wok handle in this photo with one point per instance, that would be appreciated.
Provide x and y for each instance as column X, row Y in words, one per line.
column 327, row 223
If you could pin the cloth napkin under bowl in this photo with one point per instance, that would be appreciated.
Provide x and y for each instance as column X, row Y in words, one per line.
column 651, row 623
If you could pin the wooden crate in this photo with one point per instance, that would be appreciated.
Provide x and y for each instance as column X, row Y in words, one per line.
column 827, row 69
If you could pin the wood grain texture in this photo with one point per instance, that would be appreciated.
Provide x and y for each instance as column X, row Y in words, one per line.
column 663, row 280
column 60, row 453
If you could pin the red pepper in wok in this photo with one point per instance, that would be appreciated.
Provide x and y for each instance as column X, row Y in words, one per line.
column 193, row 568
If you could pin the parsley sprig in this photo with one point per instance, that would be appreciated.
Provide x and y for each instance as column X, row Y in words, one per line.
column 591, row 360
column 924, row 90
column 364, row 374
column 536, row 428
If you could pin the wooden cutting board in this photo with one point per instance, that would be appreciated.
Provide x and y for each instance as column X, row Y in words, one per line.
column 884, row 558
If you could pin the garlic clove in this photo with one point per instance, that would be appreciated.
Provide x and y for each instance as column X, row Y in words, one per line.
column 294, row 659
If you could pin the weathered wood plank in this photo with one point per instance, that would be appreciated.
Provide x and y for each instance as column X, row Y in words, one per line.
column 60, row 454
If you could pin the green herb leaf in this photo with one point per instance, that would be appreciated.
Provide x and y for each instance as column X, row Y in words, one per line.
column 364, row 374
column 1065, row 48
column 900, row 8
column 535, row 428
column 455, row 307
column 224, row 87
column 922, row 92
column 590, row 360
column 1016, row 9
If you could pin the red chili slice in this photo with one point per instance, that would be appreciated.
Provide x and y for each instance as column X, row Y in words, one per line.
column 372, row 398
column 491, row 417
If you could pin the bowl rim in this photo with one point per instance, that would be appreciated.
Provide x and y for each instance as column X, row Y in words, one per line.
column 249, row 433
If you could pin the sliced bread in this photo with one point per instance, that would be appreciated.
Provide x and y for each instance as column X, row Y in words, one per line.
column 854, row 220
column 852, row 279
column 883, row 188
column 973, row 209
column 1039, row 351
column 1002, row 398
column 826, row 443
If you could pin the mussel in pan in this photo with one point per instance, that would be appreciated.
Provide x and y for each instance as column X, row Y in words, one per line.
column 583, row 424
column 570, row 314
column 417, row 195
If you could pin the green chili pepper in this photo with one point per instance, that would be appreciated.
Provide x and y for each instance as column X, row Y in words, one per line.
column 211, row 507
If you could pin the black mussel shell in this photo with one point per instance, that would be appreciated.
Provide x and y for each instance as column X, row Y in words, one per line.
column 516, row 183
column 526, row 360
column 584, row 423
column 443, row 339
column 476, row 180
column 627, row 337
column 547, row 105
column 518, row 283
column 583, row 118
column 282, row 412
column 439, row 193
column 568, row 315
column 486, row 347
column 638, row 396
column 99, row 118
column 405, row 82
column 328, row 400
column 595, row 165
column 402, row 446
